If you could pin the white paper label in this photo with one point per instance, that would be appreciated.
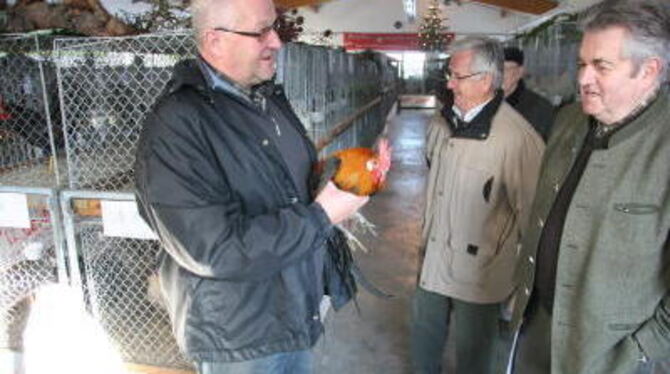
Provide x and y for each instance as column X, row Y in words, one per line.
column 121, row 219
column 14, row 210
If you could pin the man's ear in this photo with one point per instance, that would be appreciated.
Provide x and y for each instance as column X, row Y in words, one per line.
column 651, row 68
column 210, row 40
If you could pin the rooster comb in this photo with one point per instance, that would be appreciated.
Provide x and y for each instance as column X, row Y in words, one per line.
column 384, row 154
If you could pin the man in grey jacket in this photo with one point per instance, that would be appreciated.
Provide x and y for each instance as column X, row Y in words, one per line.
column 593, row 276
column 484, row 159
column 222, row 176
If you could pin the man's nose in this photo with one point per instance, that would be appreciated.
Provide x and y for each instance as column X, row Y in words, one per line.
column 586, row 75
column 273, row 40
column 451, row 83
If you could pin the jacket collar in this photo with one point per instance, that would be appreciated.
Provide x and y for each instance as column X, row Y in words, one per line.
column 647, row 115
column 219, row 81
column 514, row 97
column 480, row 126
column 194, row 73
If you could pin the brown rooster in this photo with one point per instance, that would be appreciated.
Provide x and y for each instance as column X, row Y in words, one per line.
column 361, row 171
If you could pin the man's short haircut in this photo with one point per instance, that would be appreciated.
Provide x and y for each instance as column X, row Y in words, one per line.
column 513, row 54
column 207, row 14
column 487, row 56
column 647, row 23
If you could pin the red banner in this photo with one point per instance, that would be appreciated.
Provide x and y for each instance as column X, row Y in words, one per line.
column 354, row 41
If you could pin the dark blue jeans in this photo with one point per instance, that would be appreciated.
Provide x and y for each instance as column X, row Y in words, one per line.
column 299, row 362
column 480, row 337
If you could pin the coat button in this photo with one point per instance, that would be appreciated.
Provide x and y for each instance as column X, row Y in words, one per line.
column 265, row 142
column 432, row 238
column 540, row 223
column 294, row 200
column 556, row 187
column 526, row 291
column 531, row 259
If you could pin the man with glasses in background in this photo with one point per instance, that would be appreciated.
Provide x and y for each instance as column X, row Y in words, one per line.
column 484, row 159
column 222, row 176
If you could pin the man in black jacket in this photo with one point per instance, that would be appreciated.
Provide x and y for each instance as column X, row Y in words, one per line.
column 533, row 107
column 222, row 176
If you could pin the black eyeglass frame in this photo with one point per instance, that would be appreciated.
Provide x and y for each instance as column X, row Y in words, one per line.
column 265, row 31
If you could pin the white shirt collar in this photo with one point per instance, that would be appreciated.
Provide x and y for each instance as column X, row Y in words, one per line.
column 472, row 113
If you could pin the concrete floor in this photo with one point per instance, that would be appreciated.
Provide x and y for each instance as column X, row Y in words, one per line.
column 376, row 339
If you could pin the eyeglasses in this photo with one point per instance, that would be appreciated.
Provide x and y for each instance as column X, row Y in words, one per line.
column 262, row 34
column 451, row 76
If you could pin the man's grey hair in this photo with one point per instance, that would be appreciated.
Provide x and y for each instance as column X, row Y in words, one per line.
column 487, row 56
column 648, row 26
column 206, row 14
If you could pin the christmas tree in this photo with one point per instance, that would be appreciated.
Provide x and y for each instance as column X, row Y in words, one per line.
column 432, row 33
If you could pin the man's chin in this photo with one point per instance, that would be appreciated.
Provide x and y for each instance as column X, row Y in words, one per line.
column 590, row 108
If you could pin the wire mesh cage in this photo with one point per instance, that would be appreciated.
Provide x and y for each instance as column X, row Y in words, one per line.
column 29, row 135
column 107, row 86
column 123, row 294
column 551, row 61
column 328, row 88
column 28, row 261
column 121, row 287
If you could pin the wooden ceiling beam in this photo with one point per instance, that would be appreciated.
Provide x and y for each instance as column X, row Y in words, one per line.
column 525, row 6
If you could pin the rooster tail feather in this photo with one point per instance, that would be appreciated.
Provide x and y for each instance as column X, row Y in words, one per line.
column 366, row 284
column 341, row 260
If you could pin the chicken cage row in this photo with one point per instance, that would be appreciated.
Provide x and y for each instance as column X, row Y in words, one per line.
column 31, row 250
column 29, row 111
column 551, row 61
column 107, row 85
column 70, row 117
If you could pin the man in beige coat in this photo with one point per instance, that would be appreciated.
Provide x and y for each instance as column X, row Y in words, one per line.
column 484, row 159
column 594, row 274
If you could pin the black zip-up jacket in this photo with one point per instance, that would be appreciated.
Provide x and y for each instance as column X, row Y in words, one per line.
column 244, row 260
